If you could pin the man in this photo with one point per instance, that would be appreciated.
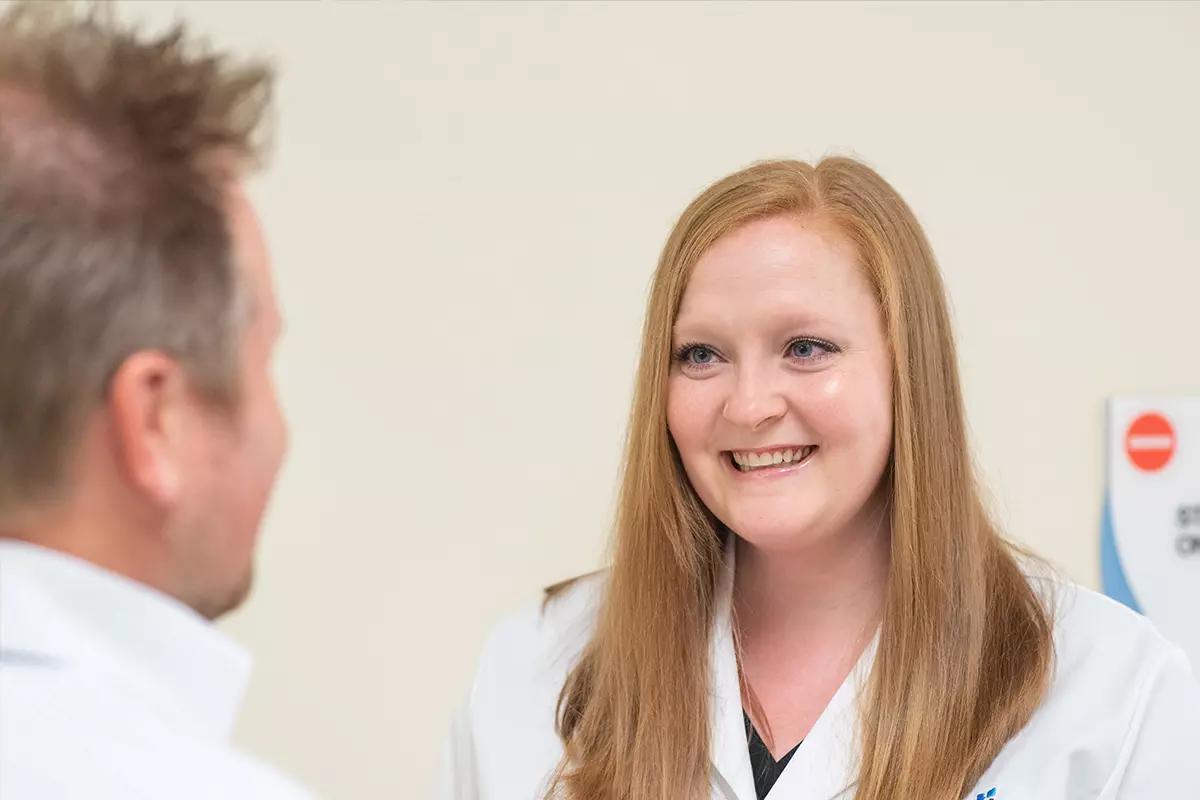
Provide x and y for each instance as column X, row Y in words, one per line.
column 139, row 430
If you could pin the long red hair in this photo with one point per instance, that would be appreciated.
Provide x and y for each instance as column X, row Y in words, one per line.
column 965, row 649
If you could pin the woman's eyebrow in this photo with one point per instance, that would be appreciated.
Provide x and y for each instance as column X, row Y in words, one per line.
column 782, row 324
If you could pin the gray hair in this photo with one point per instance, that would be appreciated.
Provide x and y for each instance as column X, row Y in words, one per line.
column 114, row 150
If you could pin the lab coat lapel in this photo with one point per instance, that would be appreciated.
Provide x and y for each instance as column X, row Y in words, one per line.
column 729, row 749
column 827, row 761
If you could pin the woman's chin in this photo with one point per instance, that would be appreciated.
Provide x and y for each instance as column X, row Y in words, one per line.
column 776, row 535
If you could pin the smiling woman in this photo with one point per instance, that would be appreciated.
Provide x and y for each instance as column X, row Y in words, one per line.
column 808, row 598
column 782, row 353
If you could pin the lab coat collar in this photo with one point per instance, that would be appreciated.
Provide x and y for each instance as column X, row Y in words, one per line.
column 64, row 612
column 826, row 762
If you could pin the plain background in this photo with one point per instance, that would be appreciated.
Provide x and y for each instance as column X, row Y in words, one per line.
column 466, row 204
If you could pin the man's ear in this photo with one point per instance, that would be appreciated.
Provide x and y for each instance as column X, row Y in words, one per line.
column 148, row 400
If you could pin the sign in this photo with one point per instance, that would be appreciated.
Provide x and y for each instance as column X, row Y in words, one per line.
column 1150, row 442
column 1150, row 533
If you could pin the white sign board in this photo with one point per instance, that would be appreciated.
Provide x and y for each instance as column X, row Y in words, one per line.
column 1150, row 535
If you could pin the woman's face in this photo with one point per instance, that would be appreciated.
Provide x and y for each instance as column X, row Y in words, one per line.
column 780, row 396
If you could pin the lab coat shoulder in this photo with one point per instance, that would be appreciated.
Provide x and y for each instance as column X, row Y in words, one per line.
column 503, row 744
column 1122, row 715
column 67, row 736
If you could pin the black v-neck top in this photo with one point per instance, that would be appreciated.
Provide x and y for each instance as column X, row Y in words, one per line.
column 764, row 766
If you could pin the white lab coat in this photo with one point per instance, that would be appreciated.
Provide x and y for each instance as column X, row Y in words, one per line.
column 1121, row 720
column 111, row 691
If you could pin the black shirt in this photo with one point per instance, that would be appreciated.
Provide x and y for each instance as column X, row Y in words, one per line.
column 764, row 766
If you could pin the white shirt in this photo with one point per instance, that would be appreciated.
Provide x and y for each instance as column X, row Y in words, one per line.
column 111, row 690
column 1121, row 720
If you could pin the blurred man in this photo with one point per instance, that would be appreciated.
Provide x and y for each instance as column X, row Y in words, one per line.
column 139, row 430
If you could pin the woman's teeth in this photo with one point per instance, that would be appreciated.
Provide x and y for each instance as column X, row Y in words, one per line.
column 772, row 458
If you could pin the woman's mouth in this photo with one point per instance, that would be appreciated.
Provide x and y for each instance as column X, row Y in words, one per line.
column 772, row 458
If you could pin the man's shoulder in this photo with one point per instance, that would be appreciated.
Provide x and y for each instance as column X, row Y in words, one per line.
column 59, row 740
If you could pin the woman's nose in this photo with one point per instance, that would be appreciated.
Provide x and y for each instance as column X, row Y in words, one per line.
column 755, row 401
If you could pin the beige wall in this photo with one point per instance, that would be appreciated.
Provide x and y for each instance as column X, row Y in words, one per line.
column 465, row 208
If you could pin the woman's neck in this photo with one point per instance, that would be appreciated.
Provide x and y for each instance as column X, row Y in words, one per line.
column 803, row 619
column 836, row 584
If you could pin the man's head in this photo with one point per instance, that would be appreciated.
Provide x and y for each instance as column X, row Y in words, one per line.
column 138, row 422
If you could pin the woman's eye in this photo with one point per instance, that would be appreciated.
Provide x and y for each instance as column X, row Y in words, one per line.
column 807, row 349
column 696, row 355
column 802, row 349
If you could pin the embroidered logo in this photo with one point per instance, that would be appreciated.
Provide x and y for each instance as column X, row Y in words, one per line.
column 991, row 795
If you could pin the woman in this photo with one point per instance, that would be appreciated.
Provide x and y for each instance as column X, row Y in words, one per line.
column 807, row 596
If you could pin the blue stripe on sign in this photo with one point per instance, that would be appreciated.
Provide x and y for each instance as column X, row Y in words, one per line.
column 1112, row 574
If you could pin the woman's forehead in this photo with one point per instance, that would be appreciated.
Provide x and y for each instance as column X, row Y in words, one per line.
column 775, row 268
